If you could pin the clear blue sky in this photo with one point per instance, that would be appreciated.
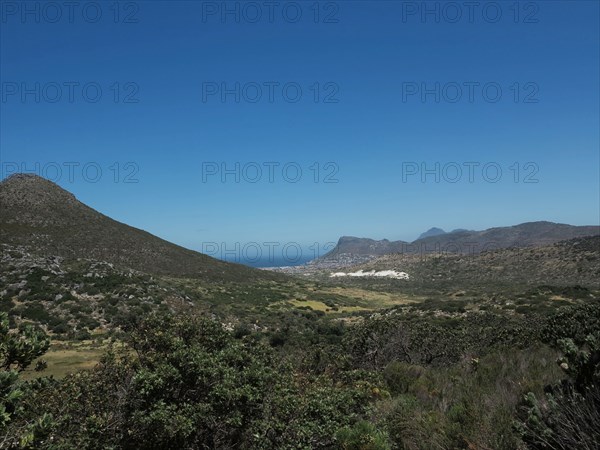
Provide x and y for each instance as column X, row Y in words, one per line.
column 366, row 56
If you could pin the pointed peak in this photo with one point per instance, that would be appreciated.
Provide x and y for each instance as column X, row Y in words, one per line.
column 15, row 177
column 432, row 232
column 21, row 189
column 27, row 179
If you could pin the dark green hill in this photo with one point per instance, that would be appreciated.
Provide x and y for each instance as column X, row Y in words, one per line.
column 39, row 214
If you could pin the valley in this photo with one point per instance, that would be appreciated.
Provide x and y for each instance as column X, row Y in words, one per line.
column 337, row 225
column 386, row 318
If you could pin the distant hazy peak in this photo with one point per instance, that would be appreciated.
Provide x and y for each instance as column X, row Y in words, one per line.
column 529, row 234
column 432, row 232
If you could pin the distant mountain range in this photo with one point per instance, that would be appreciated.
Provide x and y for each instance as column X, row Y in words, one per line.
column 42, row 216
column 574, row 262
column 438, row 232
column 530, row 234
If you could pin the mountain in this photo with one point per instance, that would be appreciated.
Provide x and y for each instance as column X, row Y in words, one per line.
column 432, row 232
column 571, row 262
column 50, row 221
column 530, row 234
column 364, row 246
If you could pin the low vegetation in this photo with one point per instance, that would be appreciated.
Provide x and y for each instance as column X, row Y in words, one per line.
column 394, row 380
column 97, row 356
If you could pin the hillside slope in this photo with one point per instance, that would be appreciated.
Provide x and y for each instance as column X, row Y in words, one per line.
column 572, row 262
column 39, row 214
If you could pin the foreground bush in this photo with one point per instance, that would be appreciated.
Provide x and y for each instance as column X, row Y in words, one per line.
column 568, row 414
column 469, row 405
column 18, row 349
column 185, row 383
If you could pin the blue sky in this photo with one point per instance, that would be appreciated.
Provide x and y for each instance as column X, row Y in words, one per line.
column 361, row 122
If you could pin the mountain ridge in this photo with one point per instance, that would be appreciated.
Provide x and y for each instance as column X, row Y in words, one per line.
column 570, row 262
column 527, row 234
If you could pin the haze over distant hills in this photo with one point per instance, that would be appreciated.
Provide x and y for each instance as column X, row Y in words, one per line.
column 529, row 234
column 39, row 214
column 438, row 232
column 432, row 232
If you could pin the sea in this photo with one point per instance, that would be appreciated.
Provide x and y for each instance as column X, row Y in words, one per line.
column 264, row 262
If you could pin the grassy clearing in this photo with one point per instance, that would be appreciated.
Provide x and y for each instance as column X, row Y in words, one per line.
column 67, row 357
column 338, row 300
column 320, row 306
column 312, row 304
column 369, row 299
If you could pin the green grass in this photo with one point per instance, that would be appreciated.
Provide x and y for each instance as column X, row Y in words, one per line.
column 67, row 357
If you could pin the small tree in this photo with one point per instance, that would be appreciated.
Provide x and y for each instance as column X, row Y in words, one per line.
column 18, row 349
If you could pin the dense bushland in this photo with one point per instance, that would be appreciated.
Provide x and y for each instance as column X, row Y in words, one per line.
column 392, row 381
column 187, row 383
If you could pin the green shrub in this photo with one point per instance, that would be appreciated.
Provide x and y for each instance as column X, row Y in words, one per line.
column 61, row 328
column 35, row 312
column 400, row 376
column 362, row 436
column 80, row 335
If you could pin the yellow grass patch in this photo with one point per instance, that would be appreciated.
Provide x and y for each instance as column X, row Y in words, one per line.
column 68, row 358
column 374, row 299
